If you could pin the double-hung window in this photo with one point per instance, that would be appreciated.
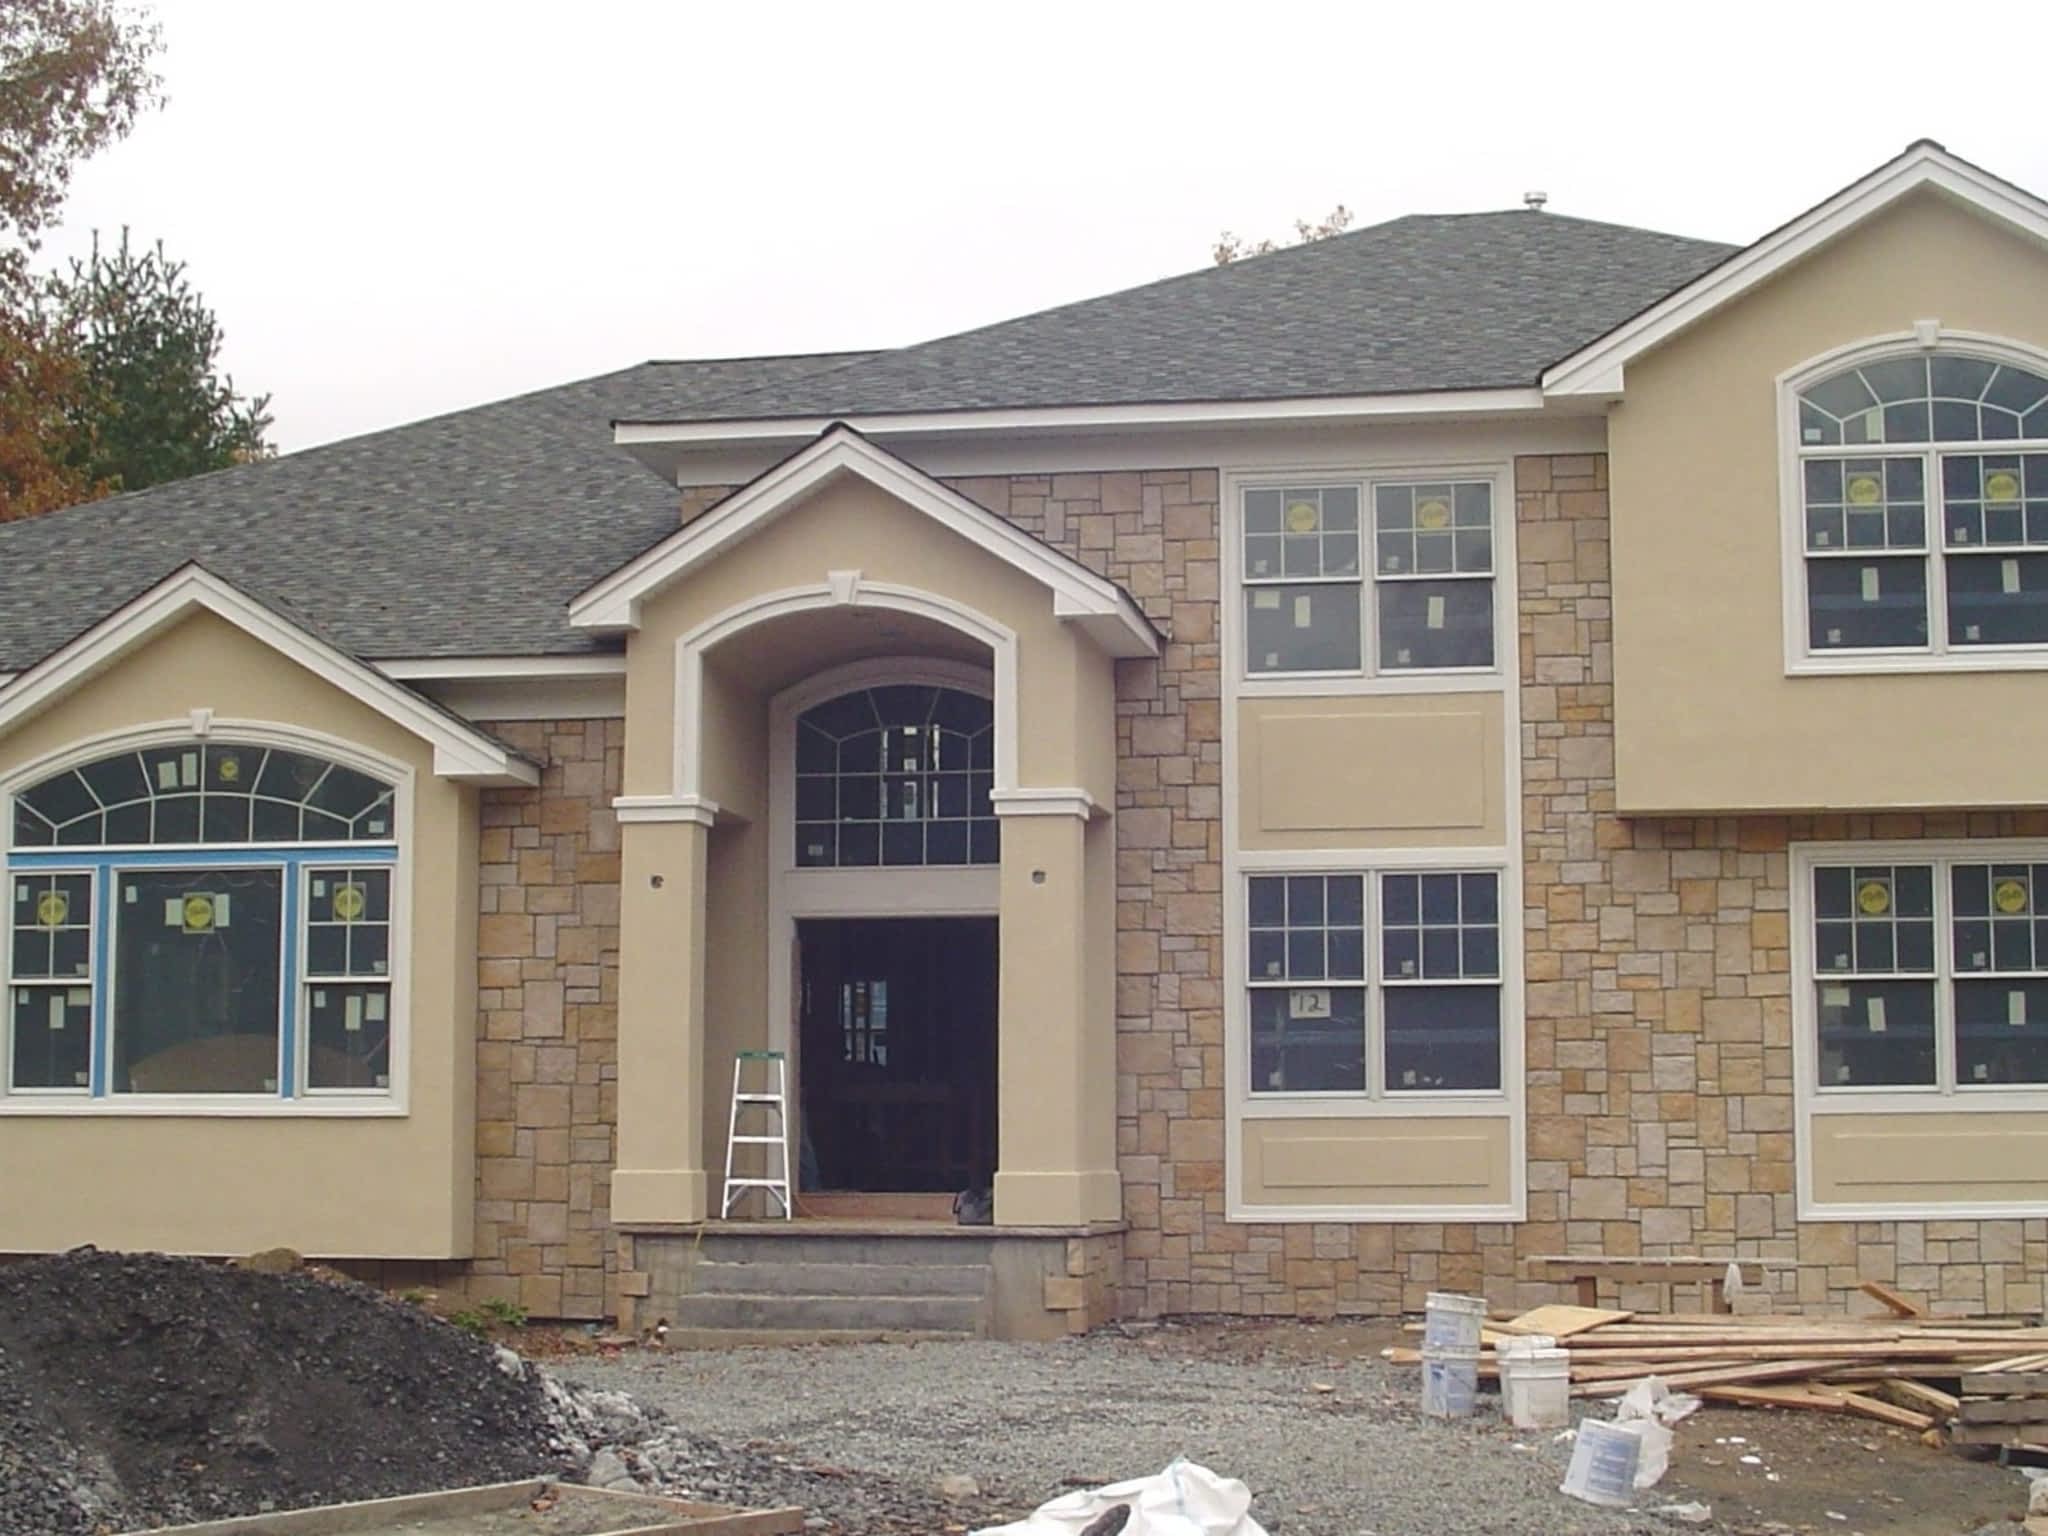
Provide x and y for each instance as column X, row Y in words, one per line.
column 1929, row 973
column 1374, row 984
column 203, row 918
column 1923, row 501
column 1368, row 578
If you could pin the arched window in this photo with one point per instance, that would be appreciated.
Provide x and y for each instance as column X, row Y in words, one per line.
column 1923, row 494
column 202, row 918
column 896, row 775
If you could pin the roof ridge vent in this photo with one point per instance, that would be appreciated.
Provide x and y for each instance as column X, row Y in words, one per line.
column 1534, row 201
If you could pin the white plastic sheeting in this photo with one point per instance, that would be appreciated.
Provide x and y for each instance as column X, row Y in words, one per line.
column 1184, row 1500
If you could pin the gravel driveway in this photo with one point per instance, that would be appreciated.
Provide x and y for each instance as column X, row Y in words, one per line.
column 1029, row 1420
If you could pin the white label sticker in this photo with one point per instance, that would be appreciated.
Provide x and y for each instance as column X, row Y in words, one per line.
column 319, row 998
column 1842, row 1073
column 1973, row 632
column 1981, row 1071
column 220, row 911
column 1259, row 567
column 1272, row 660
column 1393, row 563
column 2009, row 575
column 352, row 1015
column 188, row 769
column 1308, row 1003
column 1266, row 599
column 2016, row 1007
column 167, row 774
column 1822, row 538
column 1874, row 1011
column 373, row 1007
column 174, row 912
column 1272, row 967
column 1962, row 536
column 1407, row 967
column 1810, row 435
column 270, row 1085
column 381, row 1080
column 1408, row 1078
column 81, row 997
column 1304, row 613
column 20, row 891
column 1870, row 583
column 319, row 887
column 56, row 1012
column 1834, row 637
column 1403, row 659
column 1834, row 997
column 1436, row 613
column 130, row 894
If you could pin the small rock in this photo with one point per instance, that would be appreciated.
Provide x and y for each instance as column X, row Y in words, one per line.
column 608, row 1470
column 957, row 1486
column 509, row 1362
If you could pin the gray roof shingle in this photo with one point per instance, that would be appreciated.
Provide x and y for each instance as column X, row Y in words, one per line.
column 467, row 534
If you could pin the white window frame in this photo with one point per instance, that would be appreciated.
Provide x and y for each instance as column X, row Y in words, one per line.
column 302, row 1102
column 1369, row 676
column 1945, row 1095
column 1927, row 336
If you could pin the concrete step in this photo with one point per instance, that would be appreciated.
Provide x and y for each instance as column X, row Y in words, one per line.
column 780, row 1338
column 973, row 1247
column 958, row 1315
column 718, row 1278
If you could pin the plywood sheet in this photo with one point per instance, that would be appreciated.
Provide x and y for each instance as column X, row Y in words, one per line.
column 1561, row 1321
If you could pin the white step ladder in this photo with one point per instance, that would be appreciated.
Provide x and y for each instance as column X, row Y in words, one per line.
column 774, row 1102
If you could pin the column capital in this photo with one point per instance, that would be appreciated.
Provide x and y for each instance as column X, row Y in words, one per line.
column 1046, row 802
column 656, row 808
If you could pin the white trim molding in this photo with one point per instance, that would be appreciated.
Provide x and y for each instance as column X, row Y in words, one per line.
column 1092, row 602
column 643, row 809
column 460, row 752
column 1599, row 369
column 1047, row 802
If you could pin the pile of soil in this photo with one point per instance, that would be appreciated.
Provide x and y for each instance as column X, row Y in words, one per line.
column 138, row 1390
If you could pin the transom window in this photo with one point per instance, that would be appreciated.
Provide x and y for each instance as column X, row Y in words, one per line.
column 1326, row 594
column 1326, row 1018
column 1924, row 506
column 202, row 919
column 898, row 775
column 1931, row 974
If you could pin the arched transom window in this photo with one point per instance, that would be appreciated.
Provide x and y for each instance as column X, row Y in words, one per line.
column 897, row 775
column 202, row 918
column 1924, row 505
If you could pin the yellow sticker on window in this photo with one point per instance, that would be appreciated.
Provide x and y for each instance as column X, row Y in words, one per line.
column 2010, row 896
column 52, row 908
column 1433, row 513
column 2002, row 485
column 350, row 900
column 1865, row 490
column 198, row 914
column 1302, row 516
column 230, row 770
column 1874, row 898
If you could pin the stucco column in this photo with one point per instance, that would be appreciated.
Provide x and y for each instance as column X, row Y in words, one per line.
column 660, row 1173
column 1056, row 1067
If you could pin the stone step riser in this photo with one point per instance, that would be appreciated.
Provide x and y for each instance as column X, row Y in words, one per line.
column 718, row 1278
column 892, row 1252
column 821, row 1314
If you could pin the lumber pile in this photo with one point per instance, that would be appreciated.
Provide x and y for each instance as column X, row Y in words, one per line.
column 1978, row 1381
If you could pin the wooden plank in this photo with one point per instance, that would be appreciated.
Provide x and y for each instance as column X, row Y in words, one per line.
column 1864, row 1406
column 1900, row 1351
column 1562, row 1322
column 1545, row 1267
column 1776, row 1397
column 1999, row 1434
column 1908, row 1393
column 2003, row 1410
column 1705, row 1376
column 1903, row 1306
column 1992, row 1382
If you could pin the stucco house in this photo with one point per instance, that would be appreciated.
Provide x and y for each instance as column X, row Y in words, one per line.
column 1314, row 780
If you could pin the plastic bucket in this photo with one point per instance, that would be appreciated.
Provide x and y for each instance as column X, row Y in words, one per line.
column 1451, row 1321
column 1604, row 1461
column 1535, row 1387
column 1450, row 1382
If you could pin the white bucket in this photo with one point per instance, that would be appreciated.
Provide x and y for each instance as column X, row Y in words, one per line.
column 1450, row 1382
column 1535, row 1386
column 1604, row 1461
column 1451, row 1321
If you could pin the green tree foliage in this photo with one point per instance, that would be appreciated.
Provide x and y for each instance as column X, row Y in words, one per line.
column 155, row 405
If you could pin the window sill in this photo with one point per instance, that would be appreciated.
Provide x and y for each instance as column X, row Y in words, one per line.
column 1929, row 1101
column 198, row 1107
column 1892, row 663
column 1296, row 1214
column 1338, row 684
column 1334, row 1106
column 1925, row 1211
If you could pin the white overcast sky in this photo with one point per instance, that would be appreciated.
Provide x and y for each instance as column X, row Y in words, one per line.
column 401, row 209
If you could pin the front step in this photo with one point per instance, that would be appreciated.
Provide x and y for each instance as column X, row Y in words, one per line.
column 813, row 1314
column 828, row 1278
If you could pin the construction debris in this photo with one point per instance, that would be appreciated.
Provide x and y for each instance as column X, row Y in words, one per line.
column 1968, row 1381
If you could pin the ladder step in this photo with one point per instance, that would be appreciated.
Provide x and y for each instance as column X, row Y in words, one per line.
column 758, row 1141
column 758, row 1098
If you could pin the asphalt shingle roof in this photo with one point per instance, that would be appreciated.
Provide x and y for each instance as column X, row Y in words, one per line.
column 467, row 534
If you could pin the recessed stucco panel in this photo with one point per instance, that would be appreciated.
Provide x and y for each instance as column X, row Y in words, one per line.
column 1418, row 1161
column 1706, row 719
column 1403, row 771
column 1971, row 1157
column 386, row 1187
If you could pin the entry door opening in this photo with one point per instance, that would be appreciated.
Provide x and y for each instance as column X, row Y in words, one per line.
column 897, row 1054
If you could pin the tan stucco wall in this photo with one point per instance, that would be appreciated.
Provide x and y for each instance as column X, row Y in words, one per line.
column 389, row 1187
column 1975, row 1157
column 1706, row 719
column 1383, row 771
column 1433, row 1161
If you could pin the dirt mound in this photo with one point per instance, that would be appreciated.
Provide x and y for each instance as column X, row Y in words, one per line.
column 139, row 1390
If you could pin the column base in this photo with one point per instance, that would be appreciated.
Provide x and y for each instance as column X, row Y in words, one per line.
column 658, row 1196
column 1055, row 1199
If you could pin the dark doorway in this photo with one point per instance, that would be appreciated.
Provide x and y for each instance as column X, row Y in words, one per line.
column 898, row 1053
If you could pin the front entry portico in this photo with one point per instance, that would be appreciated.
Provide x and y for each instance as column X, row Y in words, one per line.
column 845, row 557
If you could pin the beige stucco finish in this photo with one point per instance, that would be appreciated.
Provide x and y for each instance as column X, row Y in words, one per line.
column 1706, row 719
column 1381, row 771
column 1447, row 1160
column 695, row 956
column 1972, row 1157
column 393, row 1186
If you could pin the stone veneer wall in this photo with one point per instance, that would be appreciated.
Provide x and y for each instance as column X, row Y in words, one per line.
column 547, row 1025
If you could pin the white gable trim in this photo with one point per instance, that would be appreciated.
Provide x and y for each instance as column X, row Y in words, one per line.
column 459, row 752
column 1598, row 370
column 1079, row 595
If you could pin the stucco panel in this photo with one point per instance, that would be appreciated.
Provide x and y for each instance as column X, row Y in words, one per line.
column 1971, row 1157
column 1432, row 1161
column 1706, row 718
column 382, row 1187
